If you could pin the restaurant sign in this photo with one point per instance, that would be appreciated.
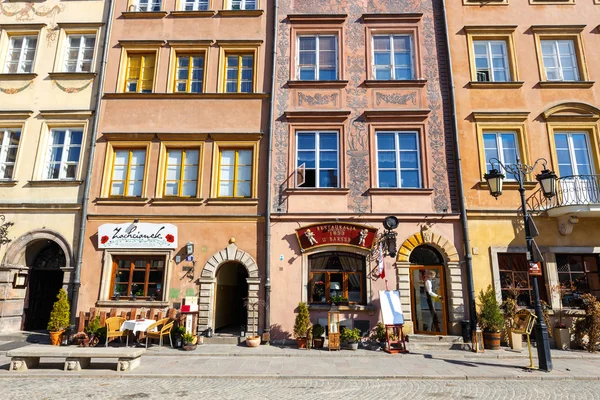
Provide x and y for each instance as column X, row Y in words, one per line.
column 133, row 235
column 336, row 233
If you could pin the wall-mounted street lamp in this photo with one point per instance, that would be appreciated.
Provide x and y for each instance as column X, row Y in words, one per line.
column 547, row 180
column 389, row 236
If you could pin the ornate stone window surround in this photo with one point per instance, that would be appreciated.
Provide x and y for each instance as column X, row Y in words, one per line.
column 76, row 29
column 9, row 30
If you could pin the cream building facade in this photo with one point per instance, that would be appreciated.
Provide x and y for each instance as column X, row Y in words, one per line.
column 50, row 58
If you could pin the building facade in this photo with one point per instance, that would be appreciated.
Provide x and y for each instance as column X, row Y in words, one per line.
column 51, row 55
column 178, row 187
column 361, row 133
column 524, row 75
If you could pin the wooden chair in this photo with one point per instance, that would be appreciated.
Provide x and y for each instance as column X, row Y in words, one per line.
column 163, row 328
column 113, row 329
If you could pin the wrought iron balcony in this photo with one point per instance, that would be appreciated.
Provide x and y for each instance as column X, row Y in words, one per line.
column 576, row 194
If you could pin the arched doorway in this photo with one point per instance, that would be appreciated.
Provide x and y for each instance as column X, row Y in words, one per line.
column 46, row 259
column 427, row 290
column 231, row 316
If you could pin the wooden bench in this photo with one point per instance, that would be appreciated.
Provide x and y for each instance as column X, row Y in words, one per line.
column 76, row 358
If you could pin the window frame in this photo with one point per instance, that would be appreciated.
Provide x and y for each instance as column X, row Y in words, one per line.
column 112, row 147
column 493, row 33
column 490, row 59
column 242, row 2
column 584, row 272
column 149, row 258
column 225, row 143
column 557, row 58
column 397, row 151
column 345, row 275
column 392, row 53
column 167, row 148
column 194, row 2
column 21, row 34
column 134, row 48
column 317, row 51
column 138, row 7
column 141, row 68
column 529, row 288
column 571, row 150
column 565, row 32
column 229, row 47
column 240, row 57
column 4, row 147
column 317, row 150
column 236, row 166
column 80, row 58
column 127, row 180
column 64, row 154
column 500, row 148
column 189, row 80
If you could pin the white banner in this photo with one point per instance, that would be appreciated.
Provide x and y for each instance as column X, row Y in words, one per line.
column 137, row 236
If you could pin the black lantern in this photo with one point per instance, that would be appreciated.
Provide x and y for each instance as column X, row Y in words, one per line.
column 494, row 179
column 547, row 180
column 389, row 236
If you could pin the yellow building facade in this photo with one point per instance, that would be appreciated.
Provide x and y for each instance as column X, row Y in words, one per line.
column 50, row 57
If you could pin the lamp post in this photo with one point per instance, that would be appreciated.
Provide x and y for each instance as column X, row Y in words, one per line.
column 547, row 180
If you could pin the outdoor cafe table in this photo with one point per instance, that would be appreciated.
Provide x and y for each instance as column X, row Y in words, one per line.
column 137, row 326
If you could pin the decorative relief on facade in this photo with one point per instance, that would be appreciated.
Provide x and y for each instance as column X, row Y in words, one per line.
column 73, row 89
column 27, row 11
column 396, row 98
column 317, row 99
column 17, row 89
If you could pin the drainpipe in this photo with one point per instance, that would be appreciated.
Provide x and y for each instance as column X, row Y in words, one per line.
column 459, row 179
column 267, row 328
column 88, row 176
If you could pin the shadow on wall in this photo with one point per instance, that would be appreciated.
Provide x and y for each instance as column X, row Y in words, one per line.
column 279, row 335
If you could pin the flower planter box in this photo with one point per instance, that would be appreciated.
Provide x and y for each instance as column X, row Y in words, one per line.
column 301, row 343
column 491, row 340
column 318, row 342
column 253, row 341
column 351, row 346
column 189, row 347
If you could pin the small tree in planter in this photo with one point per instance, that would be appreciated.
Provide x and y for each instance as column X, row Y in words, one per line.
column 301, row 325
column 490, row 318
column 59, row 317
column 351, row 337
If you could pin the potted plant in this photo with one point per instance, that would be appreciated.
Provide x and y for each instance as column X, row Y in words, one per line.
column 490, row 318
column 252, row 305
column 318, row 340
column 350, row 337
column 510, row 308
column 378, row 335
column 301, row 325
column 59, row 317
column 189, row 341
column 93, row 332
column 177, row 335
column 562, row 334
column 587, row 329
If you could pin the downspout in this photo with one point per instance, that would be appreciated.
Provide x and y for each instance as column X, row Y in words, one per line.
column 459, row 179
column 88, row 176
column 267, row 329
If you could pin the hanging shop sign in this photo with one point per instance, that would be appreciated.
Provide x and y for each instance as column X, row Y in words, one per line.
column 137, row 236
column 336, row 233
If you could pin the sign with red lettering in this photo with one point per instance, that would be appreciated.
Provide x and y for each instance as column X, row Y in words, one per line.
column 535, row 269
column 336, row 233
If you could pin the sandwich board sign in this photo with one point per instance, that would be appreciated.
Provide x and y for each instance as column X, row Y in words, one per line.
column 391, row 308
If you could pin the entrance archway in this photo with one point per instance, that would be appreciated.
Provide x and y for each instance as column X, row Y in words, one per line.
column 45, row 280
column 232, row 288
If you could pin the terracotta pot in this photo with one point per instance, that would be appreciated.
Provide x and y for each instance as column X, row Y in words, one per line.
column 318, row 342
column 189, row 347
column 491, row 340
column 253, row 341
column 562, row 338
column 56, row 338
column 301, row 342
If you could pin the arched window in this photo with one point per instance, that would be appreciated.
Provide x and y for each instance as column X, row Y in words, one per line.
column 426, row 255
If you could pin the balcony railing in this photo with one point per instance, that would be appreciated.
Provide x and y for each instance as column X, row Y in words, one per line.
column 575, row 190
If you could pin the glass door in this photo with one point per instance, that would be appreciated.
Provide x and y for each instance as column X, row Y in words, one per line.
column 428, row 299
column 578, row 185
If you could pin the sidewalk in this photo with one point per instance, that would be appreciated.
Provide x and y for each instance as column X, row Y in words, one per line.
column 227, row 361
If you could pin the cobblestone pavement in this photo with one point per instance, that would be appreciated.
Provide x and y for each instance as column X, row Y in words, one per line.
column 281, row 389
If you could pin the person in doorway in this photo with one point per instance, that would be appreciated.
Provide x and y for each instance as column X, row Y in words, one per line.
column 434, row 325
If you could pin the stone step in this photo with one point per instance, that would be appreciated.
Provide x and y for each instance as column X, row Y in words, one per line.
column 225, row 339
column 434, row 338
column 420, row 346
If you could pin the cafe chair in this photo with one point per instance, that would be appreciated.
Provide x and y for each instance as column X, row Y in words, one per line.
column 113, row 329
column 161, row 328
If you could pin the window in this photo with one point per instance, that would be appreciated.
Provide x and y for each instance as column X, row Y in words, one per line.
column 235, row 173
column 195, row 5
column 337, row 274
column 502, row 146
column 560, row 60
column 318, row 152
column 392, row 57
column 572, row 153
column 181, row 178
column 21, row 52
column 141, row 276
column 240, row 73
column 79, row 53
column 515, row 281
column 491, row 61
column 577, row 275
column 317, row 58
column 190, row 73
column 128, row 172
column 140, row 73
column 63, row 153
column 9, row 144
column 148, row 5
column 243, row 4
column 398, row 164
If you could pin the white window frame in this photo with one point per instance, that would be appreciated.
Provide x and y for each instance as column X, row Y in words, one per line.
column 80, row 52
column 4, row 147
column 63, row 163
column 397, row 153
column 316, row 66
column 195, row 4
column 557, row 57
column 243, row 4
column 392, row 58
column 22, row 53
column 571, row 149
column 317, row 150
column 148, row 5
column 490, row 60
column 500, row 148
